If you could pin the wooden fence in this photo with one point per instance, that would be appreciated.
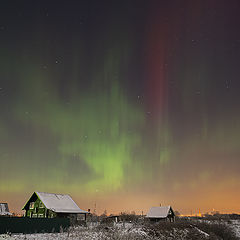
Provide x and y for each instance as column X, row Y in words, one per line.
column 32, row 225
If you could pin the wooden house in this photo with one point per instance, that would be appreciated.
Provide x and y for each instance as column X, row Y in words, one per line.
column 50, row 205
column 161, row 213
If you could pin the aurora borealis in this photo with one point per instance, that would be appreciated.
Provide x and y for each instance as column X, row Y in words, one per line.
column 121, row 104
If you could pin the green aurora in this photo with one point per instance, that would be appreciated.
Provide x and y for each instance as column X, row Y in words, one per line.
column 129, row 104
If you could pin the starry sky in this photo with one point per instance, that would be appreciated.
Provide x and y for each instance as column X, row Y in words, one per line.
column 123, row 105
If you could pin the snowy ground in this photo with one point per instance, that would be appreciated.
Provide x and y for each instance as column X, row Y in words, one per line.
column 92, row 233
column 95, row 234
column 127, row 231
column 235, row 225
column 120, row 231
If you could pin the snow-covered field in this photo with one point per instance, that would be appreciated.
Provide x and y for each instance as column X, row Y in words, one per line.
column 83, row 233
column 127, row 231
column 235, row 225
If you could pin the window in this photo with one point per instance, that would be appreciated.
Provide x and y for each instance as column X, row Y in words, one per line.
column 31, row 206
column 41, row 205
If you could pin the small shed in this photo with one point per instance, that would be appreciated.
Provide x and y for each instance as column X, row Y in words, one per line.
column 4, row 210
column 161, row 213
column 50, row 205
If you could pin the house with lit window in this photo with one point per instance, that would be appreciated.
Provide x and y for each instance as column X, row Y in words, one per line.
column 50, row 205
column 164, row 213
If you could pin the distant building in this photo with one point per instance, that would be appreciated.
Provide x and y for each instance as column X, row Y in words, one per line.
column 111, row 219
column 50, row 205
column 161, row 213
column 4, row 210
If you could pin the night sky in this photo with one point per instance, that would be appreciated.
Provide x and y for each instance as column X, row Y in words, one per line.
column 123, row 105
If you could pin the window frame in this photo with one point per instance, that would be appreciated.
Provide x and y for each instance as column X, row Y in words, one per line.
column 41, row 205
column 31, row 205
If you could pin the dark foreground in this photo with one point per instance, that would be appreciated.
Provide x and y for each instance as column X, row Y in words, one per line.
column 181, row 229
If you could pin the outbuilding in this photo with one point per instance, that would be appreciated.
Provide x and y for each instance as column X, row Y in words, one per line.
column 161, row 213
column 4, row 210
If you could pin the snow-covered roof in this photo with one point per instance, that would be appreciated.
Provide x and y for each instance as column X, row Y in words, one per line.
column 59, row 203
column 4, row 210
column 159, row 212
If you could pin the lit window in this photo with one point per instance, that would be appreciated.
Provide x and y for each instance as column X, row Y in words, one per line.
column 31, row 206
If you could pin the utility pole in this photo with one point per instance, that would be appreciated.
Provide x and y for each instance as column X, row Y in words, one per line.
column 95, row 208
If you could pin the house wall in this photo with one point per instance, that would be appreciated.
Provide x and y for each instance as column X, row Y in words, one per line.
column 37, row 209
column 169, row 218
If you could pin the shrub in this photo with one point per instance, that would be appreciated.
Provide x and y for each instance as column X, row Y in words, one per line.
column 218, row 230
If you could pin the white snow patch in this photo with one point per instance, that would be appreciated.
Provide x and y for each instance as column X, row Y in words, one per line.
column 202, row 232
column 235, row 225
